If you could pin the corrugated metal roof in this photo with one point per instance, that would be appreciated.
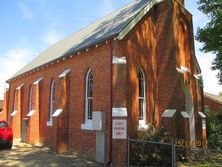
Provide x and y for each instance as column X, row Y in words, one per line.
column 213, row 97
column 105, row 28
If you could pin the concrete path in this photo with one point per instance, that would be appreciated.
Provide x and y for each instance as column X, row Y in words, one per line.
column 25, row 155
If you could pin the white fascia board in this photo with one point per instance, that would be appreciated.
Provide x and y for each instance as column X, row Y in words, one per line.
column 37, row 81
column 57, row 112
column 117, row 60
column 30, row 113
column 13, row 113
column 64, row 73
column 138, row 17
column 19, row 87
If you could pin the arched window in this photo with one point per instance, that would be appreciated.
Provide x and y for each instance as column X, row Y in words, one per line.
column 51, row 102
column 31, row 102
column 142, row 97
column 15, row 105
column 89, row 96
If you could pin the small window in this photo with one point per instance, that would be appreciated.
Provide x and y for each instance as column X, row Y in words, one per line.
column 88, row 101
column 141, row 98
column 31, row 101
column 51, row 103
column 15, row 105
column 89, row 96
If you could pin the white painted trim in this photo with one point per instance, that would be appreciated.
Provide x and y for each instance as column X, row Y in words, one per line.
column 19, row 87
column 119, row 60
column 184, row 114
column 37, row 81
column 87, row 125
column 197, row 76
column 143, row 122
column 202, row 115
column 49, row 123
column 182, row 69
column 64, row 73
column 13, row 113
column 119, row 112
column 57, row 112
column 142, row 126
column 136, row 20
column 30, row 113
column 86, row 97
column 169, row 113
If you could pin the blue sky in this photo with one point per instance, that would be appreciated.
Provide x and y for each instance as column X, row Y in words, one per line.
column 30, row 26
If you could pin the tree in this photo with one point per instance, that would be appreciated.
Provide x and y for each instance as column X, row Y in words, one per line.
column 211, row 34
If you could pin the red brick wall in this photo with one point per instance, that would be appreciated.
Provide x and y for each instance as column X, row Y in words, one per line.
column 15, row 120
column 214, row 106
column 160, row 42
column 83, row 141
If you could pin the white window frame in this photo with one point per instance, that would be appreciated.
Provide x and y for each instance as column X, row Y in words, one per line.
column 142, row 122
column 31, row 110
column 51, row 103
column 15, row 107
column 30, row 98
column 88, row 122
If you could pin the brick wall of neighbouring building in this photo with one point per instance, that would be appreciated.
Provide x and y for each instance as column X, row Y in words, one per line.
column 214, row 102
column 158, row 44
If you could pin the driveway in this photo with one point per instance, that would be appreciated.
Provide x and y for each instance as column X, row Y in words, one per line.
column 25, row 155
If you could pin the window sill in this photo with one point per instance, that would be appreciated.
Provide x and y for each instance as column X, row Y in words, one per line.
column 142, row 126
column 30, row 113
column 49, row 123
column 87, row 126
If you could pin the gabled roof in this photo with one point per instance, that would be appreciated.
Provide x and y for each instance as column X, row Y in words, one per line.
column 213, row 97
column 116, row 24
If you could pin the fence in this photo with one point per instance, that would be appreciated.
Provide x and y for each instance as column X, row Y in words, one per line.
column 160, row 154
column 150, row 153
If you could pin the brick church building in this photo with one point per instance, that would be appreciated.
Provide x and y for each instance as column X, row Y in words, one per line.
column 95, row 88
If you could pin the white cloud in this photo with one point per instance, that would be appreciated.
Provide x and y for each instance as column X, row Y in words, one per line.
column 209, row 76
column 25, row 11
column 107, row 6
column 51, row 37
column 11, row 62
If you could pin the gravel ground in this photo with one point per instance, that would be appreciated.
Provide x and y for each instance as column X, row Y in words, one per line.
column 25, row 155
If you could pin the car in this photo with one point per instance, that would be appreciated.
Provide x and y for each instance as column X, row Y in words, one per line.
column 6, row 134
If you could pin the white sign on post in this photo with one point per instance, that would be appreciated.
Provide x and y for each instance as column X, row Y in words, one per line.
column 119, row 129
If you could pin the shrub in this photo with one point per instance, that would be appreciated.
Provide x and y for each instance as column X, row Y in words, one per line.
column 149, row 152
column 214, row 132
